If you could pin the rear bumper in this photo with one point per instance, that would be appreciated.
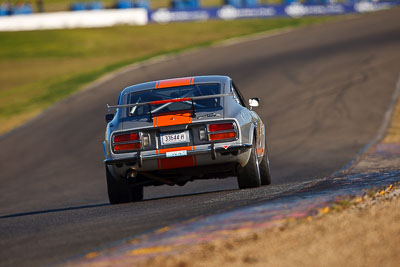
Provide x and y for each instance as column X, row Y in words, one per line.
column 209, row 152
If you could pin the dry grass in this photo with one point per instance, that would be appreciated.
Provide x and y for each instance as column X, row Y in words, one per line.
column 363, row 235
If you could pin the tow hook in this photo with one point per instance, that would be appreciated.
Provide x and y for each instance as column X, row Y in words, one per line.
column 140, row 159
column 213, row 152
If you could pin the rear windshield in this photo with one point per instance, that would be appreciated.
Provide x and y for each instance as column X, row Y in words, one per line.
column 175, row 92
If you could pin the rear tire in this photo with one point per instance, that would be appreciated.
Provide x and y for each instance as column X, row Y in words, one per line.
column 249, row 176
column 264, row 169
column 120, row 192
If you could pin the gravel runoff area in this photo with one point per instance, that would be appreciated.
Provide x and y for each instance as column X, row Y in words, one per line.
column 355, row 231
column 367, row 233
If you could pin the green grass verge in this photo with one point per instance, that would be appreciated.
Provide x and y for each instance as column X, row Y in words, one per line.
column 41, row 67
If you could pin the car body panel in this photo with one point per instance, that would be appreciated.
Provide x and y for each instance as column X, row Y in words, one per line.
column 155, row 159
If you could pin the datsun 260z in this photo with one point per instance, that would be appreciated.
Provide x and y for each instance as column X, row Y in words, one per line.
column 179, row 130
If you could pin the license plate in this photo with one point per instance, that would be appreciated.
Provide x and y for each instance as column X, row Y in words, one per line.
column 174, row 138
column 176, row 153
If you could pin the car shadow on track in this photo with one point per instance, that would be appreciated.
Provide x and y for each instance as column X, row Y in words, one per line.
column 189, row 195
column 53, row 210
column 37, row 212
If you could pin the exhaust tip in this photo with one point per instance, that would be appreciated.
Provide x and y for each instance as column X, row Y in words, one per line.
column 131, row 174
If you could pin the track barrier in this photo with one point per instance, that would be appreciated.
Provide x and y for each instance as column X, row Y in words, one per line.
column 191, row 12
column 230, row 12
column 68, row 20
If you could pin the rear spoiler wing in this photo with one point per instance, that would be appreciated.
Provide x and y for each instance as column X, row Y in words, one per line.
column 192, row 99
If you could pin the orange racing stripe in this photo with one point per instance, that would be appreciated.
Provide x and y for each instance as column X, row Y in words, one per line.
column 154, row 121
column 165, row 150
column 172, row 118
column 178, row 162
column 175, row 82
column 170, row 100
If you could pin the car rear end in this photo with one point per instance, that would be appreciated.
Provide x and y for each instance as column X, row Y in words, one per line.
column 182, row 136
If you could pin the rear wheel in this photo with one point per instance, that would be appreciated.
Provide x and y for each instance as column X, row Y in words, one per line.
column 249, row 176
column 120, row 191
column 264, row 169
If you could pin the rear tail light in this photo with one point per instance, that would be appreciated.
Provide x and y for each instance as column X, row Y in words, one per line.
column 220, row 127
column 126, row 137
column 221, row 136
column 126, row 142
column 202, row 134
column 221, row 131
column 123, row 147
column 146, row 140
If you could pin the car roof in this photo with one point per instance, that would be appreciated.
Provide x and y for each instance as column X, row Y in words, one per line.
column 176, row 82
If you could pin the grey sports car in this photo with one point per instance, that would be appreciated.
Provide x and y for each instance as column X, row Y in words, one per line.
column 179, row 130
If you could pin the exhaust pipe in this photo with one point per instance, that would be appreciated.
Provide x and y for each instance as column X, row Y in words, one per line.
column 131, row 174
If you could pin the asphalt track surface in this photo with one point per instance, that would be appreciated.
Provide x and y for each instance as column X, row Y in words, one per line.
column 324, row 91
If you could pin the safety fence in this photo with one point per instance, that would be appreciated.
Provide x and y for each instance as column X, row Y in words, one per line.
column 292, row 10
column 142, row 16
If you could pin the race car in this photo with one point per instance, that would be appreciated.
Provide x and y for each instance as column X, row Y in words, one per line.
column 170, row 132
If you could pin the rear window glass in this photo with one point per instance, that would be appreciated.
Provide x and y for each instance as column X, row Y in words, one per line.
column 175, row 92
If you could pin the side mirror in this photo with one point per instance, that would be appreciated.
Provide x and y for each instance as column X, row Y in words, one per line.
column 254, row 102
column 109, row 117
